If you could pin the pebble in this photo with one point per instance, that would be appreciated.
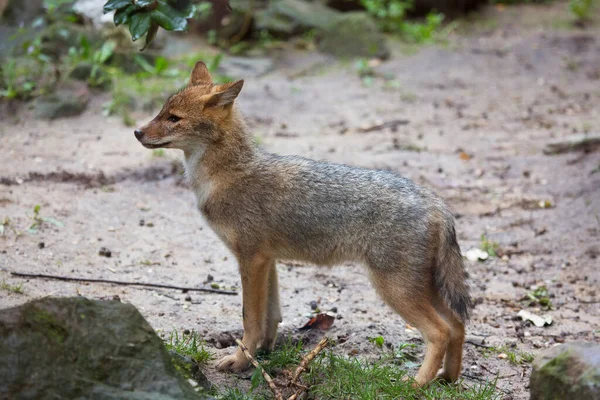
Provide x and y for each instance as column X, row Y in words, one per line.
column 104, row 252
column 41, row 245
column 188, row 298
column 313, row 305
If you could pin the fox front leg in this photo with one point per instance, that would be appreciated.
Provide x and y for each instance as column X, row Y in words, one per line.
column 255, row 285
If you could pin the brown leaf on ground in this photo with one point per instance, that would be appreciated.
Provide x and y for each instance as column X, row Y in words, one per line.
column 321, row 321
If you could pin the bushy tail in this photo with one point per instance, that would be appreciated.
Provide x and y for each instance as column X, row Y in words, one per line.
column 450, row 275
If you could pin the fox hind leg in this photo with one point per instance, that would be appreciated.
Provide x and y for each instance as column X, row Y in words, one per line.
column 415, row 306
column 453, row 360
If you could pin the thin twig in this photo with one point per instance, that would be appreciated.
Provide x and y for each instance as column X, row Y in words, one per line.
column 91, row 280
column 478, row 344
column 276, row 392
column 308, row 358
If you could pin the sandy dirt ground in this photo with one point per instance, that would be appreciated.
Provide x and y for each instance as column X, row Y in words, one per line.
column 479, row 112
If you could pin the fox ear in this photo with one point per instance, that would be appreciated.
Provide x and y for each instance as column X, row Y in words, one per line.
column 200, row 75
column 225, row 94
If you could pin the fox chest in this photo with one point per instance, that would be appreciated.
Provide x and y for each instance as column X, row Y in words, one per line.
column 217, row 218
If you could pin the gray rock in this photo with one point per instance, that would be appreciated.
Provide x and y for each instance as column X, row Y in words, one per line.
column 308, row 14
column 244, row 67
column 67, row 101
column 569, row 371
column 287, row 17
column 354, row 34
column 75, row 348
column 268, row 20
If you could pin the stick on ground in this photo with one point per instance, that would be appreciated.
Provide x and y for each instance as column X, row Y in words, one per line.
column 308, row 358
column 91, row 280
column 276, row 392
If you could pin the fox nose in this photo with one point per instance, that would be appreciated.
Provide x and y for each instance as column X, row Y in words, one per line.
column 138, row 134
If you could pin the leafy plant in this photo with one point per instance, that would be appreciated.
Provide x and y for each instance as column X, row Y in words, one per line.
column 489, row 246
column 540, row 296
column 11, row 86
column 422, row 32
column 582, row 9
column 390, row 14
column 38, row 220
column 144, row 17
column 377, row 341
column 391, row 17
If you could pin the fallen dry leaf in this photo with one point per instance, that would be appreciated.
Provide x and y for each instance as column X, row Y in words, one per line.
column 321, row 321
column 464, row 156
column 535, row 319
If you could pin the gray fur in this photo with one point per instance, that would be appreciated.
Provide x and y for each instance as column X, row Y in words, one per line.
column 326, row 214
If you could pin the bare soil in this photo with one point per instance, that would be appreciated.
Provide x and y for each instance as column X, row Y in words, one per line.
column 480, row 111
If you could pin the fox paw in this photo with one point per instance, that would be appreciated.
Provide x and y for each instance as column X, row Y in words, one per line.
column 236, row 363
column 445, row 376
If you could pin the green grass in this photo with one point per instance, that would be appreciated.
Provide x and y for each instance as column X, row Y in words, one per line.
column 12, row 288
column 332, row 376
column 336, row 377
column 540, row 297
column 489, row 246
column 513, row 355
column 582, row 10
column 189, row 345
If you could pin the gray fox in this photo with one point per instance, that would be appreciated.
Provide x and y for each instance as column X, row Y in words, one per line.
column 267, row 207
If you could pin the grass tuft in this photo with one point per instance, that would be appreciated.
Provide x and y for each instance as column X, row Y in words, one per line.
column 12, row 288
column 190, row 345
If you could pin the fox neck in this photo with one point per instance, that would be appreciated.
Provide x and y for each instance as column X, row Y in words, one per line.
column 219, row 161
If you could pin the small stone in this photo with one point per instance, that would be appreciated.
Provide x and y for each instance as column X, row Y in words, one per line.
column 104, row 252
column 186, row 331
column 334, row 309
column 210, row 278
column 313, row 305
column 502, row 356
column 188, row 298
column 41, row 245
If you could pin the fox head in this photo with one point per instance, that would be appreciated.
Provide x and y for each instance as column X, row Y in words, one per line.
column 194, row 117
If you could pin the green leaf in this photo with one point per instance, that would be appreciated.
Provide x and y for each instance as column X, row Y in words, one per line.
column 151, row 35
column 169, row 18
column 122, row 14
column 256, row 379
column 144, row 64
column 105, row 52
column 115, row 4
column 139, row 25
column 143, row 3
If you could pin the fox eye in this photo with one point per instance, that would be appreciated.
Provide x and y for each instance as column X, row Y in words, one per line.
column 173, row 118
